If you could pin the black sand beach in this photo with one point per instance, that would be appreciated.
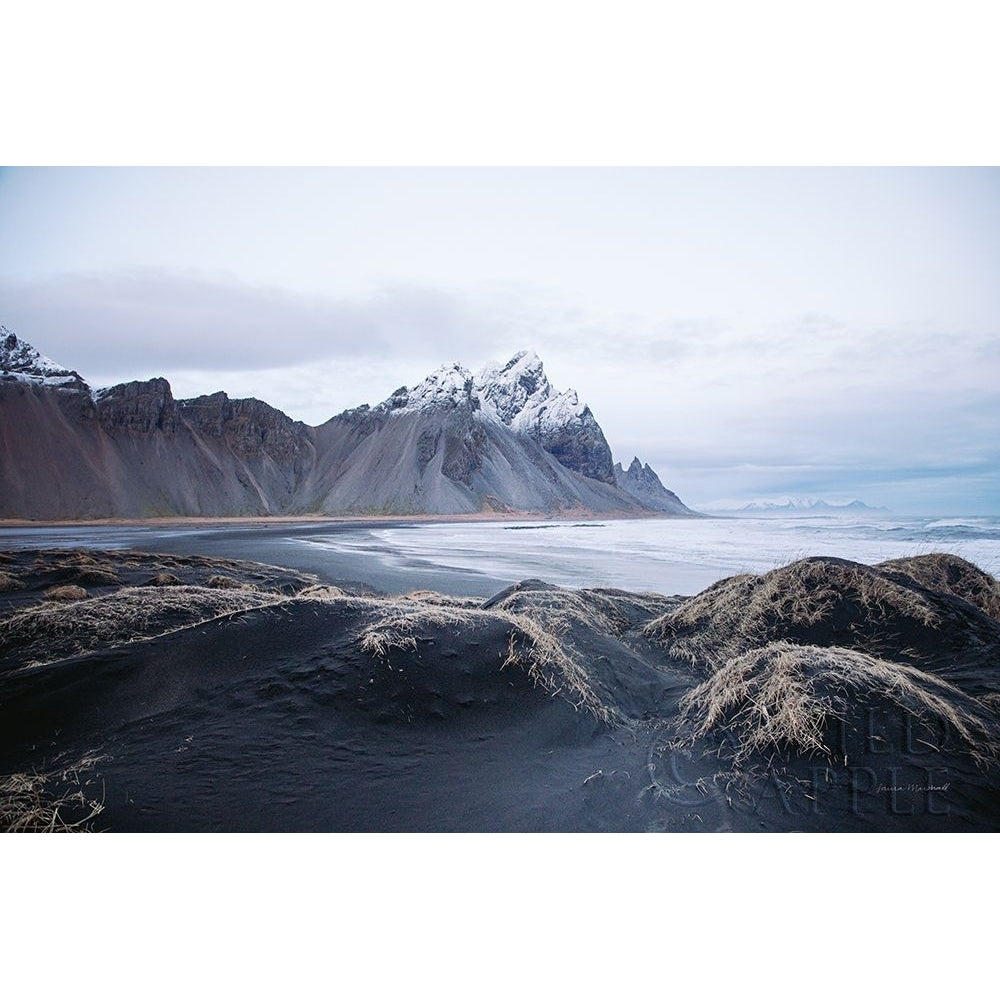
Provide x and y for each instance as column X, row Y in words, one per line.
column 282, row 542
column 145, row 692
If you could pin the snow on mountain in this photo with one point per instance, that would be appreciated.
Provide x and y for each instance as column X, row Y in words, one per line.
column 511, row 390
column 804, row 505
column 519, row 396
column 21, row 362
column 445, row 388
column 790, row 505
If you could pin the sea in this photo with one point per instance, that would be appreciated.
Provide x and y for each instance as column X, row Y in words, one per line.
column 666, row 556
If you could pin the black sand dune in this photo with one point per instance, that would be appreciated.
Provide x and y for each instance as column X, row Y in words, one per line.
column 184, row 693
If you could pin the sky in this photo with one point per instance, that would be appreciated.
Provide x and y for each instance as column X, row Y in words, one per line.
column 748, row 332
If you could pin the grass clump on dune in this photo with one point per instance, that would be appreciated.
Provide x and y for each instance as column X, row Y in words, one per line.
column 553, row 663
column 432, row 597
column 539, row 645
column 400, row 623
column 65, row 592
column 782, row 697
column 951, row 575
column 49, row 632
column 814, row 600
column 60, row 800
column 561, row 612
column 322, row 592
column 87, row 577
column 222, row 582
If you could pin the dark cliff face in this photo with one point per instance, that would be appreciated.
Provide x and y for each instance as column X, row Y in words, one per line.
column 138, row 406
column 463, row 452
column 248, row 426
column 580, row 445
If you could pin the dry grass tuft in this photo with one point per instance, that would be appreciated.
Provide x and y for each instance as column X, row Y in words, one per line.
column 96, row 578
column 322, row 592
column 401, row 622
column 60, row 800
column 746, row 612
column 558, row 611
column 537, row 640
column 66, row 592
column 992, row 702
column 9, row 583
column 46, row 633
column 950, row 574
column 79, row 557
column 783, row 696
column 222, row 582
column 552, row 662
column 432, row 597
column 163, row 580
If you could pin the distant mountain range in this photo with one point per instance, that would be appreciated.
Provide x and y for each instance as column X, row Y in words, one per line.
column 794, row 505
column 501, row 440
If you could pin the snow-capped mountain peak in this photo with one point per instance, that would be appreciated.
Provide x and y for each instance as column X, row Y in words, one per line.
column 21, row 362
column 506, row 391
column 520, row 395
column 446, row 387
column 517, row 394
column 789, row 505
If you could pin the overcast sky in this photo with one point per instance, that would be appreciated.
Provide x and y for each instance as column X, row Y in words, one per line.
column 749, row 333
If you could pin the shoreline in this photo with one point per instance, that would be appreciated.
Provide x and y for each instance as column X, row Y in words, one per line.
column 354, row 520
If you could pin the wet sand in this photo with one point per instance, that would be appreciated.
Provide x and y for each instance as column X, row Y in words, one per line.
column 358, row 520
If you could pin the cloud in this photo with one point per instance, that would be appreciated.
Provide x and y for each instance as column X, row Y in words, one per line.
column 141, row 322
column 895, row 415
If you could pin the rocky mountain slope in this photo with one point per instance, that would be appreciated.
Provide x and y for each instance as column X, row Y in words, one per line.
column 500, row 440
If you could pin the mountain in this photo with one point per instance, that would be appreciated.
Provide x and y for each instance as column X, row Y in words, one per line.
column 501, row 440
column 644, row 484
column 20, row 362
column 458, row 443
column 804, row 506
column 794, row 505
column 520, row 395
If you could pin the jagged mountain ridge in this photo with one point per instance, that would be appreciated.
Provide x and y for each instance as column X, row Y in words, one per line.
column 644, row 484
column 522, row 397
column 500, row 440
